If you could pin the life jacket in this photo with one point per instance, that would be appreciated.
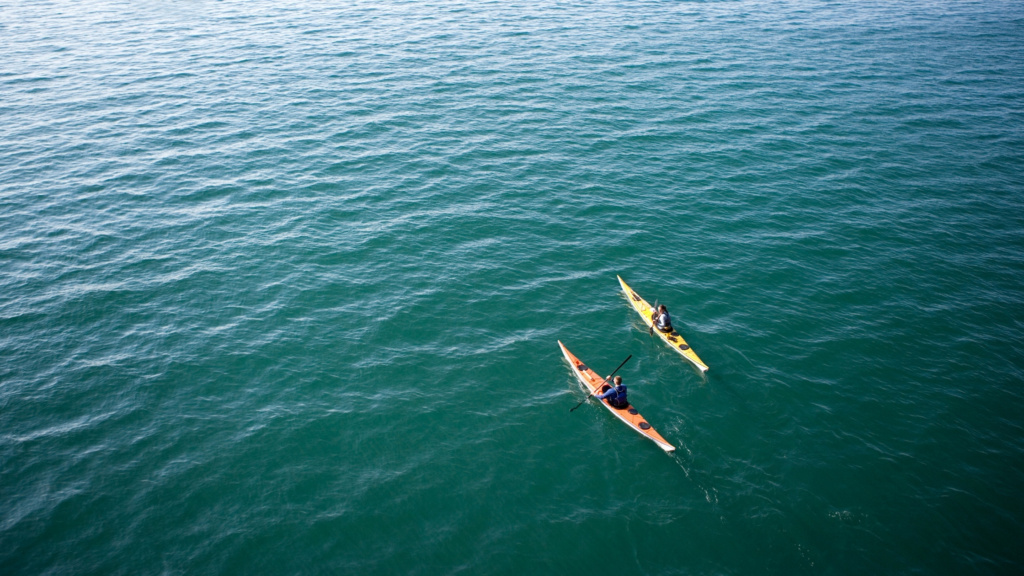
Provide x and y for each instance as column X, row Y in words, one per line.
column 620, row 395
column 663, row 321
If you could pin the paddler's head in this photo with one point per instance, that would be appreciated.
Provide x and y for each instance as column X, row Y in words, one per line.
column 662, row 308
column 618, row 380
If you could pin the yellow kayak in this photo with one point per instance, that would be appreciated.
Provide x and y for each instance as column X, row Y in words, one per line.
column 673, row 338
column 628, row 415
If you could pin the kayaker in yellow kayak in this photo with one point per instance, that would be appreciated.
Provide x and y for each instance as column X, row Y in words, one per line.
column 616, row 395
column 662, row 321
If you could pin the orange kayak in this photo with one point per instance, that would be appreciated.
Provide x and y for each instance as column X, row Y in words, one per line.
column 628, row 415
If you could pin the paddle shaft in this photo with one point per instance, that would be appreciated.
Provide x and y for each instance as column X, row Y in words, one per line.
column 602, row 383
column 653, row 312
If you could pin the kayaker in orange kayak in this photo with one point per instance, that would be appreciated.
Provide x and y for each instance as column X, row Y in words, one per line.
column 616, row 394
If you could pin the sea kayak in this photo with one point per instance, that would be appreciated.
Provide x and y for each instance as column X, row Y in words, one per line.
column 628, row 415
column 673, row 338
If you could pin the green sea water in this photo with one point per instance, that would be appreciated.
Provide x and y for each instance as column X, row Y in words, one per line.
column 281, row 286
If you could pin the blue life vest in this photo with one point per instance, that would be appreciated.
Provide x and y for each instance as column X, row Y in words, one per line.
column 616, row 394
column 620, row 393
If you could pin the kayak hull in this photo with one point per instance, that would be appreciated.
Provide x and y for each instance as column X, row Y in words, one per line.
column 628, row 415
column 673, row 338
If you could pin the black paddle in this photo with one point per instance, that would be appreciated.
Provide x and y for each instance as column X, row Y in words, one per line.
column 602, row 383
column 653, row 312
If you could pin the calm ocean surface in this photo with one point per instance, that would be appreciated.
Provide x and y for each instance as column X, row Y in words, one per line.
column 281, row 285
